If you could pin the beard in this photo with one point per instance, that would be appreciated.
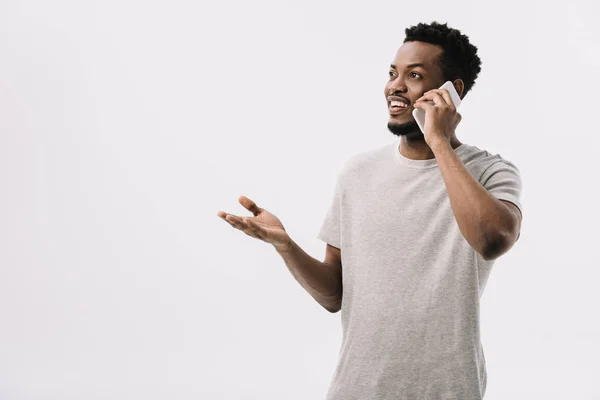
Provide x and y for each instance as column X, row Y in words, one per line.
column 409, row 129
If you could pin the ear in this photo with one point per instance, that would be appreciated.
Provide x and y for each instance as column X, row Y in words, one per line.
column 459, row 85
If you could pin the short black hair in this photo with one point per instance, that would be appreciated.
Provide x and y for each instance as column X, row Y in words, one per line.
column 459, row 60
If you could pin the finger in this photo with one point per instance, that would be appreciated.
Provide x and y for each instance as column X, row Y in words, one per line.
column 435, row 96
column 223, row 215
column 447, row 98
column 425, row 105
column 241, row 224
column 257, row 229
column 230, row 217
column 235, row 220
column 231, row 223
column 250, row 205
column 252, row 228
column 424, row 99
column 232, row 220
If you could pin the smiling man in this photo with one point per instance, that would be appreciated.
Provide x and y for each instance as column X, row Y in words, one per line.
column 414, row 229
column 412, row 234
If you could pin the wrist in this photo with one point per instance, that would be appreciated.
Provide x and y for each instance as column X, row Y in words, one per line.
column 285, row 247
column 438, row 143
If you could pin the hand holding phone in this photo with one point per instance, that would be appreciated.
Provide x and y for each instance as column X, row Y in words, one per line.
column 419, row 114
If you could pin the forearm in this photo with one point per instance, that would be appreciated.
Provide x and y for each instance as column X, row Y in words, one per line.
column 320, row 280
column 482, row 218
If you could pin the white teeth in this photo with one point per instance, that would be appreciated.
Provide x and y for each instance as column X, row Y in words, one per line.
column 395, row 103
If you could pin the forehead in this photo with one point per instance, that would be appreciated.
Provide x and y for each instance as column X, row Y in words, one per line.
column 418, row 52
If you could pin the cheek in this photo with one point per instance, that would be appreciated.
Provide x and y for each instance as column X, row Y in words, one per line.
column 386, row 89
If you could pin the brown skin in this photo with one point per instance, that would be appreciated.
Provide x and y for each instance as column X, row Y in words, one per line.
column 412, row 83
column 264, row 225
column 491, row 226
column 322, row 280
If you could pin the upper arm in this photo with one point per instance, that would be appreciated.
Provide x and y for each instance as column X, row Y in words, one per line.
column 502, row 179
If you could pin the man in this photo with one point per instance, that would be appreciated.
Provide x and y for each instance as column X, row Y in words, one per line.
column 412, row 234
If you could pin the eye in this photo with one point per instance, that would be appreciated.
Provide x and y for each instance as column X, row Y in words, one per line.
column 414, row 73
column 391, row 73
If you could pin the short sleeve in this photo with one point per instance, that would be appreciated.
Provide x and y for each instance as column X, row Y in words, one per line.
column 330, row 231
column 503, row 180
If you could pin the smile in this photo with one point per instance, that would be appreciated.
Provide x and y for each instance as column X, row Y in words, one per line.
column 395, row 109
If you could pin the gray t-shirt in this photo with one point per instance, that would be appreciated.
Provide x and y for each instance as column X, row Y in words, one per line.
column 411, row 281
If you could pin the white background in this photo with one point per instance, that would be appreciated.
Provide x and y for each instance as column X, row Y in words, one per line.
column 126, row 125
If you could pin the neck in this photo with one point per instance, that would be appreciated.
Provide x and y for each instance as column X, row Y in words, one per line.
column 418, row 149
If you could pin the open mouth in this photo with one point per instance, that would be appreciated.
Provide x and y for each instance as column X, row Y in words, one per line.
column 397, row 105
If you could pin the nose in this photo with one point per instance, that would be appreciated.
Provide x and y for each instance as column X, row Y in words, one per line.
column 397, row 86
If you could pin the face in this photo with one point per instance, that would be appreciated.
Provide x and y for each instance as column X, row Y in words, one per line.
column 413, row 72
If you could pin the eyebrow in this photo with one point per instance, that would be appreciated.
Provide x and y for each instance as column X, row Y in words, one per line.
column 411, row 65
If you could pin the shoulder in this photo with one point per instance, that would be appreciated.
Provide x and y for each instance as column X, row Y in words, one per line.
column 481, row 162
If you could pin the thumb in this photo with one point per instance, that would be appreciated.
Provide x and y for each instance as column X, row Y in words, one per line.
column 249, row 205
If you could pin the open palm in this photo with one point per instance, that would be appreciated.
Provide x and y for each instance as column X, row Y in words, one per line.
column 263, row 225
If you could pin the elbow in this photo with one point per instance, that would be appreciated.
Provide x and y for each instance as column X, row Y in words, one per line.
column 489, row 254
column 495, row 248
column 499, row 239
column 334, row 306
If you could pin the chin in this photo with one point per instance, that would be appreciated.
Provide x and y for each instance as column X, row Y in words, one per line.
column 404, row 128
